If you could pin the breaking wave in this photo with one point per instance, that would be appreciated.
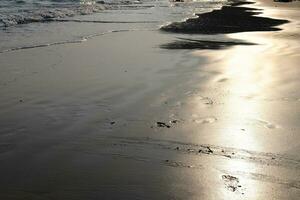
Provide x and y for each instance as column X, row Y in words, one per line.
column 14, row 12
column 45, row 14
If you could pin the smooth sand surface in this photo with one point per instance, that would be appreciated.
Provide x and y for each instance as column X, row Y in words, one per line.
column 119, row 117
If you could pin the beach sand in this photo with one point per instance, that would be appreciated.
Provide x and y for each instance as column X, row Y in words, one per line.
column 137, row 115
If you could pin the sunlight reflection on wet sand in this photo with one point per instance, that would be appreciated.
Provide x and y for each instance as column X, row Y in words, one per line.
column 262, row 90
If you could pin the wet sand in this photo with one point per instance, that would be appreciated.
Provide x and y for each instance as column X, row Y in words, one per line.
column 100, row 120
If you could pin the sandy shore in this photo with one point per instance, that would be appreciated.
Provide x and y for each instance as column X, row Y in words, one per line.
column 133, row 115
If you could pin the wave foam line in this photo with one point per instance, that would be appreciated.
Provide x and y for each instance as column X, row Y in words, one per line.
column 103, row 22
column 83, row 39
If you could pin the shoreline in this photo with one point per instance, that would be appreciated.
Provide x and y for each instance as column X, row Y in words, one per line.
column 190, row 23
column 74, row 29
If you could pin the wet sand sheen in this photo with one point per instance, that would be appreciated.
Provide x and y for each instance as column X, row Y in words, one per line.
column 81, row 121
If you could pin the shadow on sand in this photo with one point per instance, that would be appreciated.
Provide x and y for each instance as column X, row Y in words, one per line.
column 184, row 43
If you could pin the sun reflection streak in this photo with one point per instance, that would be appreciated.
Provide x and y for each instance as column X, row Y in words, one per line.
column 249, row 78
column 244, row 84
column 255, row 97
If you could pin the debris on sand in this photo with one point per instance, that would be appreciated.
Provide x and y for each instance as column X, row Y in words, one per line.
column 175, row 121
column 208, row 101
column 205, row 150
column 209, row 150
column 171, row 163
column 190, row 150
column 231, row 182
column 112, row 122
column 162, row 125
column 230, row 178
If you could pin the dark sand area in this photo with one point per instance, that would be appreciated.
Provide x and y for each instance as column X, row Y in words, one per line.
column 151, row 115
column 229, row 19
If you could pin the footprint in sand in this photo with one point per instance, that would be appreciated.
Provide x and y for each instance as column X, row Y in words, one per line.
column 178, row 104
column 231, row 182
column 192, row 93
column 267, row 124
column 204, row 100
column 206, row 120
column 207, row 101
column 221, row 80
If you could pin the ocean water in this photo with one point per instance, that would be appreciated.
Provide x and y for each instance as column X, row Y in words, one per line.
column 37, row 23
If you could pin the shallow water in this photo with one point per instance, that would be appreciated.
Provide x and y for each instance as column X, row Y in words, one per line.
column 34, row 23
